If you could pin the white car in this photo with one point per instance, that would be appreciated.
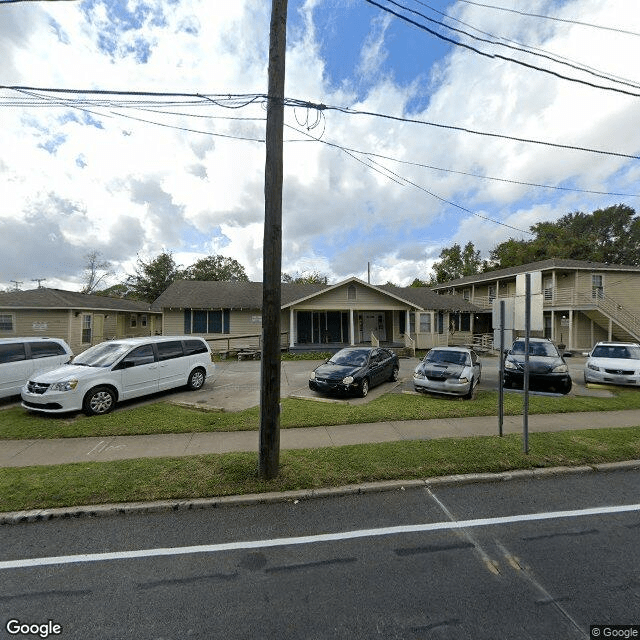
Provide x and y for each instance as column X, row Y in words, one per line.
column 119, row 370
column 613, row 363
column 450, row 370
column 21, row 358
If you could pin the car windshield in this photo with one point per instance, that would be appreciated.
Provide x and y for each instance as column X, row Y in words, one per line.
column 353, row 358
column 102, row 355
column 535, row 349
column 621, row 352
column 451, row 357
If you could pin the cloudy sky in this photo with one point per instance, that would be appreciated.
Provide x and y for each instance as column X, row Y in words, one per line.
column 393, row 170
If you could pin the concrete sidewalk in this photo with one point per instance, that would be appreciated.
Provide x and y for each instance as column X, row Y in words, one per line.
column 23, row 453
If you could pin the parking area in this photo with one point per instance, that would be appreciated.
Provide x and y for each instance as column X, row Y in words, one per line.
column 236, row 385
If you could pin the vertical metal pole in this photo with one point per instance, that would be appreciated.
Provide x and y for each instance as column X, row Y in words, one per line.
column 527, row 333
column 272, row 249
column 501, row 383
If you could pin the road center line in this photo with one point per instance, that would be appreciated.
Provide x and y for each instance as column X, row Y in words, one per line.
column 312, row 539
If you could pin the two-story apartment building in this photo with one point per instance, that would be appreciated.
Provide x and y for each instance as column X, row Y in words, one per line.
column 582, row 302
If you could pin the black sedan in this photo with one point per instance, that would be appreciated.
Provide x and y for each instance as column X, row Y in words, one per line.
column 354, row 370
column 547, row 368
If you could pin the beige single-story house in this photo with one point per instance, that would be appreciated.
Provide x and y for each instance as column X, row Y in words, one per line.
column 317, row 316
column 578, row 303
column 80, row 319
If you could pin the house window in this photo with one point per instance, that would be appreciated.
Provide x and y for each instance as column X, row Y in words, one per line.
column 144, row 320
column 351, row 292
column 466, row 294
column 203, row 321
column 86, row 329
column 492, row 293
column 425, row 323
column 597, row 287
column 6, row 322
column 412, row 322
column 133, row 321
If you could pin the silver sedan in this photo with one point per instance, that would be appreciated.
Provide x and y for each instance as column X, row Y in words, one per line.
column 449, row 370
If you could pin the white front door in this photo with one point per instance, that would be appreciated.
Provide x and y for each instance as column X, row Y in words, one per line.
column 373, row 323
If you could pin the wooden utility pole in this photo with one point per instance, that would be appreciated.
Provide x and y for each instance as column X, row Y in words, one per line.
column 272, row 249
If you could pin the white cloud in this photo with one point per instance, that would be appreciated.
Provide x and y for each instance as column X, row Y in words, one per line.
column 104, row 179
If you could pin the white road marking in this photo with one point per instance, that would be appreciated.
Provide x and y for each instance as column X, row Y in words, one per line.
column 312, row 539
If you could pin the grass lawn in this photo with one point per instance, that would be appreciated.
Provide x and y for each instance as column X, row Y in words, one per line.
column 235, row 474
column 163, row 417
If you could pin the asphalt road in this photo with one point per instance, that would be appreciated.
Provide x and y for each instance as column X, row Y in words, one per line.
column 463, row 562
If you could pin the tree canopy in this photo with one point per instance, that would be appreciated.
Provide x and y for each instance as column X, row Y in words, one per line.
column 215, row 268
column 455, row 263
column 609, row 235
column 306, row 277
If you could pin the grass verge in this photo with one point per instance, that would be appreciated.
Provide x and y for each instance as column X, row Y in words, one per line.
column 163, row 417
column 235, row 474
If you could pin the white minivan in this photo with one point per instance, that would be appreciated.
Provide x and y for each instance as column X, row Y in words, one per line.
column 119, row 370
column 21, row 358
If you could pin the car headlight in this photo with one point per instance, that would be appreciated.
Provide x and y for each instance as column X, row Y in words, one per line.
column 347, row 380
column 312, row 376
column 561, row 368
column 463, row 380
column 67, row 385
column 419, row 375
column 592, row 367
column 510, row 365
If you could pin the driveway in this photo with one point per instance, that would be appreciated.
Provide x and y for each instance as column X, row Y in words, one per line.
column 236, row 385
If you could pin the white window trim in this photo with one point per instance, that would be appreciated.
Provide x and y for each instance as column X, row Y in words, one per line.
column 12, row 317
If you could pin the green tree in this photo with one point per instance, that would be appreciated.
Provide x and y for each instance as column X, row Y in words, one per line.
column 216, row 268
column 152, row 277
column 306, row 277
column 456, row 263
column 609, row 235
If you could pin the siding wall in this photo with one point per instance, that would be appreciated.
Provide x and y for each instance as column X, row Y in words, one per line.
column 65, row 324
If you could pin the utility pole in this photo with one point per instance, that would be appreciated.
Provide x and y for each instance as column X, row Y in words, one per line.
column 272, row 249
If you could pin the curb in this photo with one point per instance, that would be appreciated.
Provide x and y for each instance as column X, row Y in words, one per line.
column 127, row 508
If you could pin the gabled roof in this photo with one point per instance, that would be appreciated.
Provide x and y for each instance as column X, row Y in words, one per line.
column 543, row 265
column 248, row 295
column 45, row 298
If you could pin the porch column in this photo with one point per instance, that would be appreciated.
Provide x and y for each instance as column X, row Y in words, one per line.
column 407, row 325
column 292, row 328
column 553, row 325
column 610, row 330
column 352, row 335
column 570, row 329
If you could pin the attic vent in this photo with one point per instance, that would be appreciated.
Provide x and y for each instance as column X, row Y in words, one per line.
column 351, row 292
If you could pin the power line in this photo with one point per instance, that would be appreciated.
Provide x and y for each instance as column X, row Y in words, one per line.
column 529, row 49
column 401, row 180
column 537, row 15
column 235, row 100
column 491, row 55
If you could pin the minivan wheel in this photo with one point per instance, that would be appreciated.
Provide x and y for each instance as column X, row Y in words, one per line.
column 394, row 375
column 196, row 379
column 364, row 388
column 98, row 401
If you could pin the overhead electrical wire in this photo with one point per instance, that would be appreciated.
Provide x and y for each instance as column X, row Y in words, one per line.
column 243, row 100
column 492, row 55
column 529, row 49
column 566, row 20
